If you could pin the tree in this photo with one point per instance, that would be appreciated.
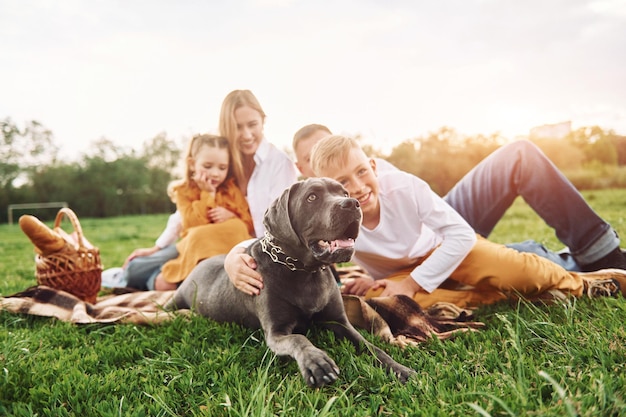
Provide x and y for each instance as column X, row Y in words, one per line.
column 162, row 152
column 443, row 157
column 23, row 150
column 620, row 146
column 596, row 144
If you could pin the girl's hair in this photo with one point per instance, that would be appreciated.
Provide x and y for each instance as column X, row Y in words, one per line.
column 195, row 144
column 307, row 131
column 228, row 126
column 331, row 151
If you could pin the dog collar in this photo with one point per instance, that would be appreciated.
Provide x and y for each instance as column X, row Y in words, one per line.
column 278, row 255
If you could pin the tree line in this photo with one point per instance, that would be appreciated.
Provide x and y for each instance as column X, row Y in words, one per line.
column 112, row 181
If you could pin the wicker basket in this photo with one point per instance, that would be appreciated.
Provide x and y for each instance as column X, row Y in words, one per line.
column 76, row 268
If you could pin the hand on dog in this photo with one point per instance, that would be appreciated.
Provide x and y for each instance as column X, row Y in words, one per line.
column 407, row 287
column 241, row 270
column 357, row 286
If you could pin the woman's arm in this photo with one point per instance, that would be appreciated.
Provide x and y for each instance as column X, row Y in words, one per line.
column 241, row 269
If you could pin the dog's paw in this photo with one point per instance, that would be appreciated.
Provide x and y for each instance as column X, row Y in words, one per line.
column 317, row 368
column 402, row 372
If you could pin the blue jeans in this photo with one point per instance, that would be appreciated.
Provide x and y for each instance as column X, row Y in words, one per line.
column 141, row 272
column 484, row 194
column 563, row 257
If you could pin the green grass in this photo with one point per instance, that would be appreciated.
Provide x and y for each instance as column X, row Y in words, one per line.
column 560, row 360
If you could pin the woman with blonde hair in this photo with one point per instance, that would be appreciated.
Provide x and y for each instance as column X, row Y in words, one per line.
column 262, row 170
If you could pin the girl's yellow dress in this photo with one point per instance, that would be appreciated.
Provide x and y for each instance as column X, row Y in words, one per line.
column 201, row 239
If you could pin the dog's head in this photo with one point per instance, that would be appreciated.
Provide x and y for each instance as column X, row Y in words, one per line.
column 315, row 221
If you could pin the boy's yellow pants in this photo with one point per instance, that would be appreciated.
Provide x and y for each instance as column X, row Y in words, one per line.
column 492, row 272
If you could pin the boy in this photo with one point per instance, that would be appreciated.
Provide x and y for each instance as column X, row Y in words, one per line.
column 484, row 194
column 411, row 241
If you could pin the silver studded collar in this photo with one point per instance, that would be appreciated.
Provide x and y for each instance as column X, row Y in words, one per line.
column 278, row 255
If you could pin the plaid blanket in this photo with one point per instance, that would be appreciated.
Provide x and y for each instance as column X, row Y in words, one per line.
column 398, row 320
column 139, row 307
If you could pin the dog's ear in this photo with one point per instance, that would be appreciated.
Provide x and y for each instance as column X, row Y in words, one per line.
column 278, row 217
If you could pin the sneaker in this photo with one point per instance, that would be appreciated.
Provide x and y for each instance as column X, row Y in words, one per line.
column 603, row 283
column 113, row 277
column 618, row 275
column 614, row 259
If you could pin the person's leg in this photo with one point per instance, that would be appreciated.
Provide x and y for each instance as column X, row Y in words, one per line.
column 140, row 270
column 160, row 284
column 492, row 266
column 484, row 194
column 563, row 258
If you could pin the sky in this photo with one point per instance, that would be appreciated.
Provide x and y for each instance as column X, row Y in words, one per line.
column 129, row 70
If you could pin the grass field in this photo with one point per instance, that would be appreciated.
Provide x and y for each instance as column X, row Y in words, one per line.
column 561, row 360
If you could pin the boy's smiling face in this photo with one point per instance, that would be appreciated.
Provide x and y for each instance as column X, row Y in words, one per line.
column 357, row 174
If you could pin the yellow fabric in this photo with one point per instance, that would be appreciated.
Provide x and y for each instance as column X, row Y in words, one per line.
column 200, row 238
column 203, row 242
column 492, row 272
column 193, row 204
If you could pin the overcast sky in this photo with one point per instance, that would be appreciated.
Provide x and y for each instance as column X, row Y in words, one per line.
column 388, row 70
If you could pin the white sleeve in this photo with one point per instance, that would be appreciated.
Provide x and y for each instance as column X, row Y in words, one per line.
column 458, row 240
column 172, row 231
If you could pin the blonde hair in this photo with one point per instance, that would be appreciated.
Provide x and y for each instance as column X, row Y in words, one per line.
column 331, row 151
column 306, row 132
column 195, row 144
column 228, row 126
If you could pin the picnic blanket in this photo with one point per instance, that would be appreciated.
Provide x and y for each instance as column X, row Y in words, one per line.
column 398, row 320
column 122, row 305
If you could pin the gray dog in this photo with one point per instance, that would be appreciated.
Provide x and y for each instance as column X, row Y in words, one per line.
column 312, row 225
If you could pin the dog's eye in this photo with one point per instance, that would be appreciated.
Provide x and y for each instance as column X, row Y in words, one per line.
column 311, row 197
column 346, row 195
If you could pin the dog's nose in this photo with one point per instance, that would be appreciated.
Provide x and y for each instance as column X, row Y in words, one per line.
column 349, row 203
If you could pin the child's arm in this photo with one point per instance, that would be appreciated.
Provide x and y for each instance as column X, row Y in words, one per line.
column 219, row 214
column 231, row 203
column 358, row 286
column 407, row 286
column 193, row 206
column 458, row 240
column 416, row 222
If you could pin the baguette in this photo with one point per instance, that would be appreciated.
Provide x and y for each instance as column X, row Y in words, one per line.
column 46, row 240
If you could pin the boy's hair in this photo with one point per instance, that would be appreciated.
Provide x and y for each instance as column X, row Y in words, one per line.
column 331, row 151
column 228, row 126
column 195, row 144
column 307, row 131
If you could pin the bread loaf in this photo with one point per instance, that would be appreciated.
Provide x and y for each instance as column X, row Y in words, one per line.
column 46, row 240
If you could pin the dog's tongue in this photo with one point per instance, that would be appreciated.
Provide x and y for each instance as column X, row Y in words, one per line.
column 341, row 243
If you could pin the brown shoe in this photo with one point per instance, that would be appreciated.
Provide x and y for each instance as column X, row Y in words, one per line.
column 603, row 283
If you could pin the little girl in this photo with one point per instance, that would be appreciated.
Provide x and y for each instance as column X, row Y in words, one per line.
column 215, row 214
